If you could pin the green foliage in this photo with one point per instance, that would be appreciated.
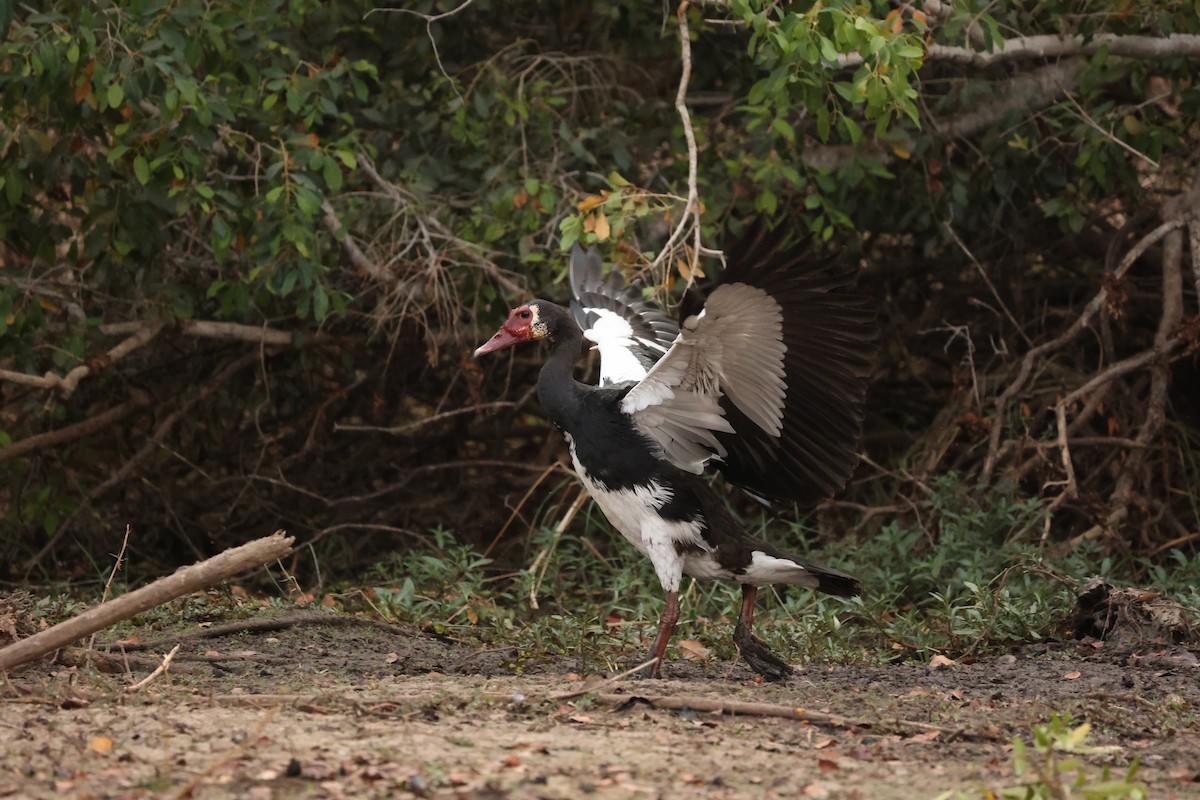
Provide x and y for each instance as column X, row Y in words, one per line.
column 1050, row 766
column 191, row 160
column 181, row 152
column 968, row 584
column 799, row 49
column 442, row 587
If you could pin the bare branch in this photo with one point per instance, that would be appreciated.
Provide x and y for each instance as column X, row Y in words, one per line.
column 211, row 329
column 201, row 575
column 1160, row 379
column 357, row 257
column 407, row 202
column 66, row 386
column 1175, row 45
column 77, row 431
column 427, row 420
column 983, row 273
column 691, row 209
column 163, row 667
column 1083, row 321
column 1086, row 117
column 1026, row 92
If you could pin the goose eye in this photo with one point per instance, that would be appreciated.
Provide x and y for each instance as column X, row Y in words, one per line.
column 525, row 314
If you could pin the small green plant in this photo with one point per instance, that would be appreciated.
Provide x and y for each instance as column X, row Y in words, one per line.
column 1051, row 768
column 445, row 587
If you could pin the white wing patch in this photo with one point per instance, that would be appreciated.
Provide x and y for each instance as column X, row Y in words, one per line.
column 734, row 347
column 613, row 337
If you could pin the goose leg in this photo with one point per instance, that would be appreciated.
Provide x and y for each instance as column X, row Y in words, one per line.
column 666, row 627
column 757, row 654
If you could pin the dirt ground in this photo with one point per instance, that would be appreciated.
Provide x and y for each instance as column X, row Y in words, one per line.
column 317, row 707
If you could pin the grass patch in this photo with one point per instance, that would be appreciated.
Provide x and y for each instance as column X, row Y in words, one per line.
column 967, row 581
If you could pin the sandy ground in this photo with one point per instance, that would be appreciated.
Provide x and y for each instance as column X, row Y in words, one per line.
column 324, row 708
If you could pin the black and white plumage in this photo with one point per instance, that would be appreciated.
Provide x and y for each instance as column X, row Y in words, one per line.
column 764, row 381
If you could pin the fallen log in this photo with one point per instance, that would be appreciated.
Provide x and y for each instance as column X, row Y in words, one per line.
column 185, row 580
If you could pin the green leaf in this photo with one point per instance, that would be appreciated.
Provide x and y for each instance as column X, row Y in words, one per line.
column 141, row 168
column 13, row 189
column 320, row 303
column 853, row 131
column 348, row 158
column 332, row 174
column 273, row 195
column 823, row 123
column 783, row 128
column 615, row 179
column 269, row 101
column 767, row 202
column 828, row 51
column 115, row 95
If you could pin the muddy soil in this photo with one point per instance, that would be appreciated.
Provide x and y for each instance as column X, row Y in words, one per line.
column 324, row 707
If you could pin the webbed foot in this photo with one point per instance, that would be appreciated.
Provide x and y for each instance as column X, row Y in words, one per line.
column 759, row 656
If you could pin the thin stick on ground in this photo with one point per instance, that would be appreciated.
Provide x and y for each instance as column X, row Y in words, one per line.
column 198, row 576
column 607, row 682
column 543, row 558
column 163, row 667
column 116, row 568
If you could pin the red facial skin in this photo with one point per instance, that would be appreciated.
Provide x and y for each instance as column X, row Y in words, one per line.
column 516, row 329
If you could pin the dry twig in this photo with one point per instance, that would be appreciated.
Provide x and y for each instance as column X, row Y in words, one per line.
column 152, row 444
column 138, row 400
column 66, row 385
column 1000, row 407
column 188, row 579
column 163, row 667
column 691, row 209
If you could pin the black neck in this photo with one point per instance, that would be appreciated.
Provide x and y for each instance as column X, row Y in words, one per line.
column 557, row 389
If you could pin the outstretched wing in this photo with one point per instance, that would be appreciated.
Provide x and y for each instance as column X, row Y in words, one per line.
column 630, row 333
column 769, row 377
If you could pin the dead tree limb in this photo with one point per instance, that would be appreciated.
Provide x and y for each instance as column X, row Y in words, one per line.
column 211, row 329
column 87, row 427
column 198, row 576
column 152, row 444
column 358, row 258
column 1175, row 45
column 1000, row 407
column 1027, row 92
column 1193, row 215
column 1160, row 378
column 67, row 384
